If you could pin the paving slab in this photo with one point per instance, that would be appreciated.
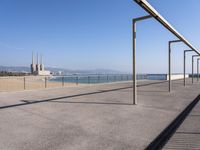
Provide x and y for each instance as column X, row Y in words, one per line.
column 96, row 117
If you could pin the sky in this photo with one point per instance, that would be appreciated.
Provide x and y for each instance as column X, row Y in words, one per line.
column 96, row 34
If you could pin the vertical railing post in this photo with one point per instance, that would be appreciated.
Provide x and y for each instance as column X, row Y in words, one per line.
column 134, row 55
column 193, row 67
column 88, row 79
column 169, row 63
column 134, row 65
column 98, row 79
column 62, row 81
column 107, row 78
column 198, row 69
column 184, row 66
column 77, row 80
column 184, row 59
column 24, row 83
column 45, row 82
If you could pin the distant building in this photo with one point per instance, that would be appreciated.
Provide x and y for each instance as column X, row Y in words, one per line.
column 38, row 68
column 60, row 73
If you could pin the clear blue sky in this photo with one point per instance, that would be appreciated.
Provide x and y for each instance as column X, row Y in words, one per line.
column 91, row 34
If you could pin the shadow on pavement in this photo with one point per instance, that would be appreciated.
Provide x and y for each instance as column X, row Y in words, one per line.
column 30, row 102
column 27, row 102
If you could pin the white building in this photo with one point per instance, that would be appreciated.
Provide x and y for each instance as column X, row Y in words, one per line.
column 38, row 69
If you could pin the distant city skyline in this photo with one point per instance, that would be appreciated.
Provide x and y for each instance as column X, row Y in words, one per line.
column 93, row 34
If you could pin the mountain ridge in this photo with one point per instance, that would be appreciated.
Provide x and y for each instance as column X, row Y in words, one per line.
column 58, row 70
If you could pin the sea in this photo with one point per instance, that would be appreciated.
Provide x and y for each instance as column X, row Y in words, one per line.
column 94, row 79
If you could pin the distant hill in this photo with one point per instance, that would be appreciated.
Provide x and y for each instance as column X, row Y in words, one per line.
column 14, row 69
column 60, row 70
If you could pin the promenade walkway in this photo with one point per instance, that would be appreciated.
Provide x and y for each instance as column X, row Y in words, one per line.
column 187, row 136
column 96, row 117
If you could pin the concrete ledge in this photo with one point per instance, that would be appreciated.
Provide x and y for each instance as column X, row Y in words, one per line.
column 177, row 76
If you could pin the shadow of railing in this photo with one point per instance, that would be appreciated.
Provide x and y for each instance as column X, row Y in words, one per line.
column 152, row 83
column 28, row 102
column 95, row 103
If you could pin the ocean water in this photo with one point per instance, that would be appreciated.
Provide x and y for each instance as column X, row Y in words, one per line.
column 94, row 79
column 91, row 79
column 156, row 76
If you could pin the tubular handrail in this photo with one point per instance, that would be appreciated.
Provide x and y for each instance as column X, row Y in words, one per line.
column 148, row 8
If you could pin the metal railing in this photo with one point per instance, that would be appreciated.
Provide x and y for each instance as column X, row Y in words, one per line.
column 39, row 82
column 153, row 13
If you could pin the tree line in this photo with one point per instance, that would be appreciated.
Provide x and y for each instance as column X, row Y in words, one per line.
column 7, row 73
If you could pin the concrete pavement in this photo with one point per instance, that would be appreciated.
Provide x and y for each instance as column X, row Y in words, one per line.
column 99, row 117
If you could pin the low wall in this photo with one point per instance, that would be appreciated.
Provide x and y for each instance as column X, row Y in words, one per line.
column 160, row 76
column 177, row 76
